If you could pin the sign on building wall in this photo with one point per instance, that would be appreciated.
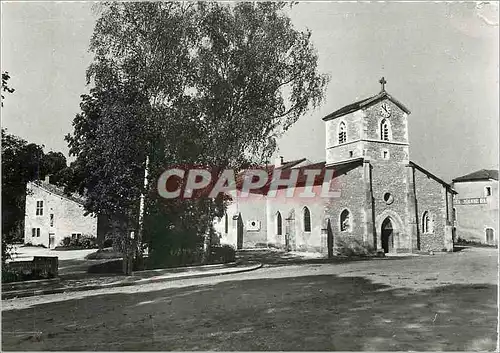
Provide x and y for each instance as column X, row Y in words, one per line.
column 472, row 201
column 253, row 225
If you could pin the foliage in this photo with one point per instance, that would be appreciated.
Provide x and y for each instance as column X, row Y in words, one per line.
column 222, row 254
column 5, row 87
column 352, row 247
column 21, row 162
column 83, row 242
column 184, row 83
column 9, row 276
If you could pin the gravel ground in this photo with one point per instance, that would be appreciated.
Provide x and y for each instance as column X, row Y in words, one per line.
column 440, row 302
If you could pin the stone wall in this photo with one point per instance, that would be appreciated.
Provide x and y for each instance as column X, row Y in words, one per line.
column 431, row 197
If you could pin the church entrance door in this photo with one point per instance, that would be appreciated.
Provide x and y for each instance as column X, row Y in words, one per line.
column 387, row 235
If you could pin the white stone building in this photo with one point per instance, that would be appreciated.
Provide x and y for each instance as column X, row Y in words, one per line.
column 50, row 216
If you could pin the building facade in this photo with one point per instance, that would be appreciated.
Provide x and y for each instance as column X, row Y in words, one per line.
column 52, row 216
column 383, row 199
column 476, row 206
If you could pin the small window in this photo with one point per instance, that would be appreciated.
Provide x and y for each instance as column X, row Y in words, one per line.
column 279, row 224
column 226, row 224
column 351, row 154
column 345, row 221
column 39, row 208
column 385, row 154
column 38, row 232
column 384, row 130
column 76, row 235
column 51, row 219
column 487, row 191
column 307, row 220
column 388, row 198
column 33, row 232
column 342, row 133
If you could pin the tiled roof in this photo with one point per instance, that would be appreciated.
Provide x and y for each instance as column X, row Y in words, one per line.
column 59, row 192
column 363, row 104
column 483, row 174
column 429, row 174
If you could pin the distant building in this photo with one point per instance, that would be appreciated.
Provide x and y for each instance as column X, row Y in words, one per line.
column 476, row 206
column 386, row 201
column 52, row 215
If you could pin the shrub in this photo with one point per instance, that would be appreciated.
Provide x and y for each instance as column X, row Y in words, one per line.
column 9, row 275
column 353, row 247
column 84, row 242
column 222, row 254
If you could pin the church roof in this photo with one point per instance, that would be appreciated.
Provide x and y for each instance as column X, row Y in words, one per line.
column 430, row 175
column 483, row 174
column 364, row 103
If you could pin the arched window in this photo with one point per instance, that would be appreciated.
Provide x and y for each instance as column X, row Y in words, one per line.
column 307, row 220
column 279, row 224
column 427, row 223
column 345, row 221
column 342, row 133
column 385, row 130
column 226, row 224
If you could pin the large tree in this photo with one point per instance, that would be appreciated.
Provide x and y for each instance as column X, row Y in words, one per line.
column 214, row 84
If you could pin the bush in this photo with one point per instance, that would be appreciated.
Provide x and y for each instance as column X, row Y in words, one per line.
column 354, row 247
column 30, row 245
column 84, row 242
column 222, row 254
column 9, row 276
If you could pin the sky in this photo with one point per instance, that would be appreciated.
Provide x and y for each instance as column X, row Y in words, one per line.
column 439, row 59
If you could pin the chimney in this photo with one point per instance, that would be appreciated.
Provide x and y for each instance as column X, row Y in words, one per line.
column 278, row 162
column 47, row 179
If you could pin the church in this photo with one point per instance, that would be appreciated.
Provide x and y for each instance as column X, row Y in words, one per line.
column 384, row 200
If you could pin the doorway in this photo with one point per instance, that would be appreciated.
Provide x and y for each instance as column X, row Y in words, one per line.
column 239, row 233
column 329, row 239
column 52, row 240
column 490, row 237
column 387, row 235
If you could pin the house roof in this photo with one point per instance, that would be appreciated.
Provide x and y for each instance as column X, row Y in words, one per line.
column 365, row 103
column 59, row 192
column 429, row 174
column 483, row 174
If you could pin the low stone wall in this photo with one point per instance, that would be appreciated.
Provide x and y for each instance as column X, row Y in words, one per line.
column 44, row 264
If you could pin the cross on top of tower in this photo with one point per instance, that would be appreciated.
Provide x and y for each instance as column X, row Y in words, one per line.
column 383, row 82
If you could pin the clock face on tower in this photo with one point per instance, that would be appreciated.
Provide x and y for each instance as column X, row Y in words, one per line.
column 385, row 110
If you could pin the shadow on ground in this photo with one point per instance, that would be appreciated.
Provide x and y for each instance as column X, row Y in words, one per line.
column 325, row 313
column 274, row 257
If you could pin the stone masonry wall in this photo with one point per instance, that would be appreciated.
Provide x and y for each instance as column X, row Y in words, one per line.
column 431, row 198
